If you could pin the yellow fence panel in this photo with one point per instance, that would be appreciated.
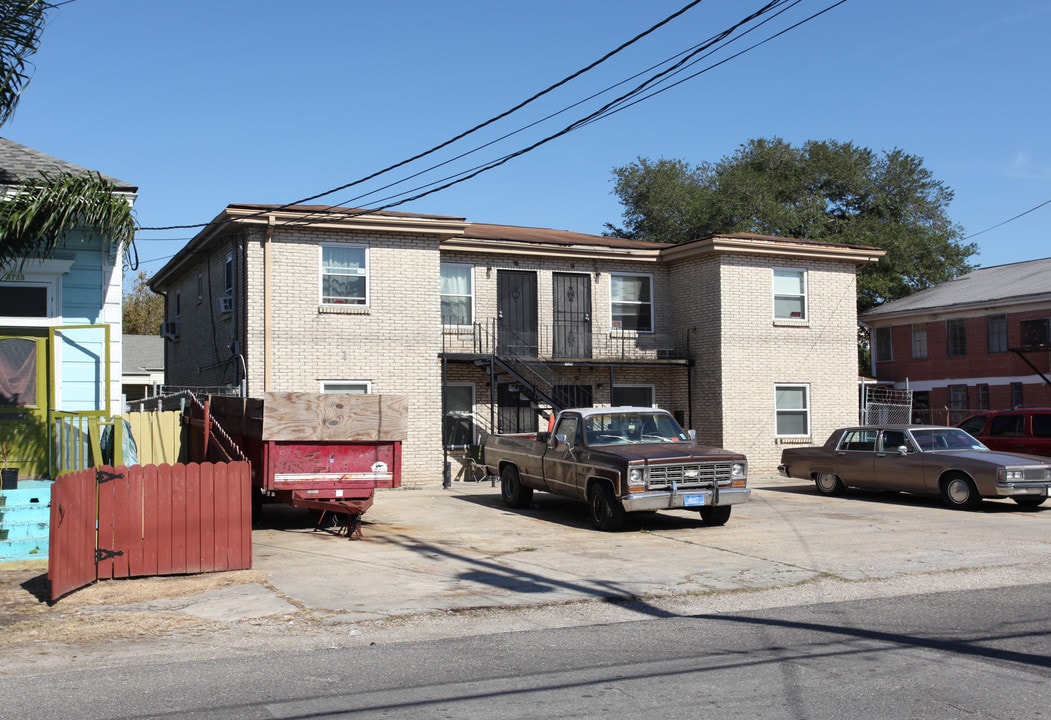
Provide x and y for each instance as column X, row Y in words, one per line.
column 158, row 436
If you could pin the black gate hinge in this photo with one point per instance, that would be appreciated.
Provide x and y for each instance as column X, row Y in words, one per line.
column 104, row 554
column 104, row 476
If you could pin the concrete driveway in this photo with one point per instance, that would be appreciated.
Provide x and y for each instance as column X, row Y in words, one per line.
column 429, row 550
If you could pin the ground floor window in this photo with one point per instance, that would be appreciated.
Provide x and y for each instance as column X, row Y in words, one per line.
column 459, row 427
column 792, row 403
column 516, row 413
column 633, row 395
column 346, row 387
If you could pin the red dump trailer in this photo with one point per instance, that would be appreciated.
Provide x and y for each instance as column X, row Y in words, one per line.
column 325, row 452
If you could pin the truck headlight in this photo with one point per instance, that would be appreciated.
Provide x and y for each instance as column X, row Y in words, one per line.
column 635, row 476
column 739, row 470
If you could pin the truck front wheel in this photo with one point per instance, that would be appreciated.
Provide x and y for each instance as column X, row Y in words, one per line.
column 606, row 511
column 515, row 494
column 716, row 514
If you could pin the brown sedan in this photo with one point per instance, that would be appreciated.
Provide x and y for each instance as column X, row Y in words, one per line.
column 921, row 459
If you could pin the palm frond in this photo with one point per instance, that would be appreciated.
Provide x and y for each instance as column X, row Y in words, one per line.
column 21, row 24
column 44, row 210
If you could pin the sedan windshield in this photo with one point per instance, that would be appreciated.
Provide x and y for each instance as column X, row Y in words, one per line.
column 622, row 428
column 936, row 439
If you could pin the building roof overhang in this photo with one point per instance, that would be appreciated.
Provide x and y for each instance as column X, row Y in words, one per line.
column 752, row 244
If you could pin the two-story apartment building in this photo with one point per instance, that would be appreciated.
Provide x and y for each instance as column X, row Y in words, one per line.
column 979, row 342
column 750, row 340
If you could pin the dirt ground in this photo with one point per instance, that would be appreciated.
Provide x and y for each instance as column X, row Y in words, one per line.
column 27, row 616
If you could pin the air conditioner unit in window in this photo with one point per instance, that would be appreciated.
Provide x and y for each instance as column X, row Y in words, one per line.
column 170, row 330
column 226, row 304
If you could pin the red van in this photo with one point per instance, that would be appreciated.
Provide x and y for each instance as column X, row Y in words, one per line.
column 1025, row 430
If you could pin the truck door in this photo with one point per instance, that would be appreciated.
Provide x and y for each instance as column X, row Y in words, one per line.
column 562, row 465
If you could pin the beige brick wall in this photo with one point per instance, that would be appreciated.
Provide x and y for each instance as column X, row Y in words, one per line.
column 758, row 353
column 724, row 302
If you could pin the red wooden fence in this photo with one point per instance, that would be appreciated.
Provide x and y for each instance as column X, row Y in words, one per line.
column 151, row 520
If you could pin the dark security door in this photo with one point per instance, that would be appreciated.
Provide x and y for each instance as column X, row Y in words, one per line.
column 516, row 307
column 572, row 315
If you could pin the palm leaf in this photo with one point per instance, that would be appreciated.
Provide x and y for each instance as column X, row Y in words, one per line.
column 21, row 23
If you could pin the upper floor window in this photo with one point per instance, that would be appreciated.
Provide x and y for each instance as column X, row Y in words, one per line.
column 996, row 326
column 789, row 294
column 457, row 294
column 884, row 347
column 344, row 275
column 631, row 302
column 919, row 341
column 228, row 276
column 956, row 337
column 792, row 406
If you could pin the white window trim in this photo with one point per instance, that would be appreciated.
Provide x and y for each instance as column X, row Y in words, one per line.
column 470, row 268
column 618, row 331
column 321, row 275
column 472, row 413
column 39, row 273
column 324, row 384
column 806, row 295
column 777, row 411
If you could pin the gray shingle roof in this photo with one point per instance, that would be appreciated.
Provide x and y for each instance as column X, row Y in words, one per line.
column 998, row 284
column 143, row 352
column 18, row 162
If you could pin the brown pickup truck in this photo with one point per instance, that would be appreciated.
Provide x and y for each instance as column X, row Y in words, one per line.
column 619, row 460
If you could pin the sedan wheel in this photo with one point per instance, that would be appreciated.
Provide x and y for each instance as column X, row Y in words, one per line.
column 829, row 484
column 959, row 493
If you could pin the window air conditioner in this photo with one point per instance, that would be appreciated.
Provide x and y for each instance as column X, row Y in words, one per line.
column 226, row 304
column 170, row 330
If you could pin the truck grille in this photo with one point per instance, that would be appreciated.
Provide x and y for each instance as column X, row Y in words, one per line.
column 662, row 476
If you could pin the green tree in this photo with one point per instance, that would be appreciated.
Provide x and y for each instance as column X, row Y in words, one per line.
column 825, row 190
column 44, row 209
column 143, row 310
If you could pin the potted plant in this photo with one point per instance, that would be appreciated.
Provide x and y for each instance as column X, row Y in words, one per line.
column 8, row 475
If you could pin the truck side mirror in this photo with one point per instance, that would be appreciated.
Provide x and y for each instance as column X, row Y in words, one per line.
column 560, row 441
column 692, row 434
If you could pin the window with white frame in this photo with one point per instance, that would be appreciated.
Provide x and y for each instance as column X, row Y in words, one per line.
column 790, row 294
column 344, row 275
column 24, row 300
column 346, row 387
column 459, row 415
column 792, row 409
column 457, row 291
column 631, row 302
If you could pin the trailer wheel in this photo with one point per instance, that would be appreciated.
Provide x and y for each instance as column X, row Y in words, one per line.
column 514, row 493
column 606, row 511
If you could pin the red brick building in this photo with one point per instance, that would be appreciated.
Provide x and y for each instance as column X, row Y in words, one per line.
column 981, row 341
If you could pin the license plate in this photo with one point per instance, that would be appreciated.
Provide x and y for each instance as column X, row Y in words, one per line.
column 692, row 500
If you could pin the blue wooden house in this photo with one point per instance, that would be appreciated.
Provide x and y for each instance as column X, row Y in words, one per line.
column 60, row 347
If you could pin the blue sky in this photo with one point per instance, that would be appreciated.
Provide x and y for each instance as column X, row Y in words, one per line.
column 206, row 103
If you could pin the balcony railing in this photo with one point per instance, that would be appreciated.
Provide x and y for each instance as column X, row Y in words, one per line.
column 560, row 343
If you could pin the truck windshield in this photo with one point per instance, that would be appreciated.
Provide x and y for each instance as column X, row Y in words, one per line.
column 623, row 428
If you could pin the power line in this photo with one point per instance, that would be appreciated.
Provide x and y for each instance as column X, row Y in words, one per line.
column 1046, row 202
column 481, row 125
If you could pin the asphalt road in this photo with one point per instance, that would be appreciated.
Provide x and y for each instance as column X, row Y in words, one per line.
column 973, row 654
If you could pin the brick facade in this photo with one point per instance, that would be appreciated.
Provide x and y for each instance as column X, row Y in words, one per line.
column 714, row 357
